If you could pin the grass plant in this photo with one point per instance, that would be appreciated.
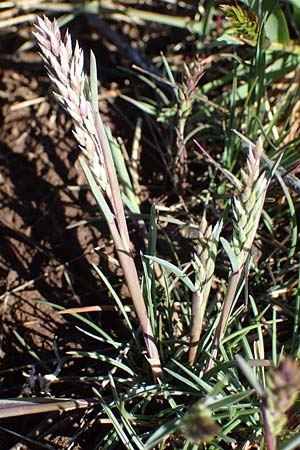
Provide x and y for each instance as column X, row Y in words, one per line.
column 80, row 99
column 220, row 323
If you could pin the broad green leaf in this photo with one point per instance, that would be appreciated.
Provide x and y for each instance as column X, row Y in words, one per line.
column 226, row 39
column 276, row 27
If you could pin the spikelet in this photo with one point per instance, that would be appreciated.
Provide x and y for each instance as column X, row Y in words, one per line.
column 244, row 23
column 199, row 425
column 72, row 90
column 248, row 204
column 204, row 266
column 283, row 387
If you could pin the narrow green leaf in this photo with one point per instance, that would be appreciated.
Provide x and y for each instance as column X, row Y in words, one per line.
column 228, row 400
column 174, row 269
column 26, row 345
column 103, row 358
column 86, row 321
column 163, row 432
column 182, row 379
column 291, row 444
column 115, row 297
column 123, row 173
column 152, row 231
column 118, row 427
column 293, row 215
column 170, row 74
column 249, row 374
column 198, row 380
column 165, row 19
column 143, row 106
column 98, row 338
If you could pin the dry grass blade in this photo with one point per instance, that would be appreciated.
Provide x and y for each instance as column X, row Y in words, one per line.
column 21, row 407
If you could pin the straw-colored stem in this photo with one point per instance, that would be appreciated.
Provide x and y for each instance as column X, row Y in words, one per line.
column 122, row 242
column 222, row 324
column 228, row 302
column 113, row 181
column 196, row 325
column 270, row 439
column 133, row 284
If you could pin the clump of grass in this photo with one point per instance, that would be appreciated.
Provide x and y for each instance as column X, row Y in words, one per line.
column 224, row 411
